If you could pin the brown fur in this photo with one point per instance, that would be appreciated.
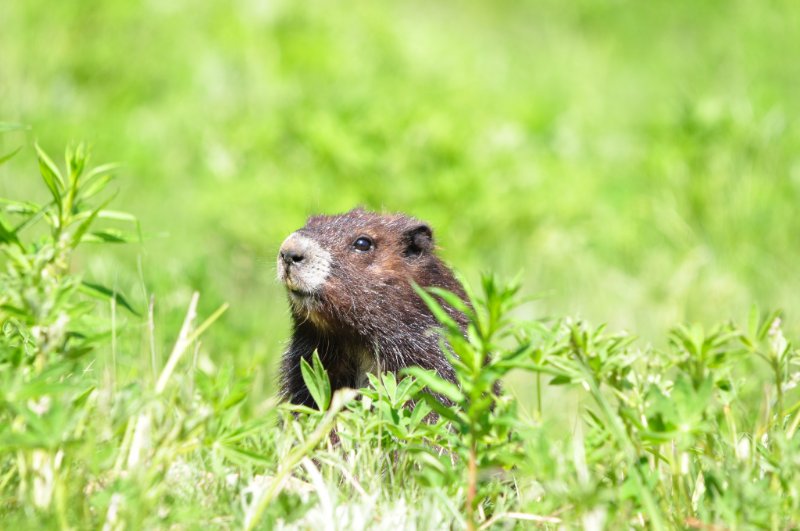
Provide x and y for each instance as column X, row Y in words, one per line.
column 366, row 316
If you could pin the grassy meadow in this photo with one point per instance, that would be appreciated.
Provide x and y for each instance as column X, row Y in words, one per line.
column 630, row 164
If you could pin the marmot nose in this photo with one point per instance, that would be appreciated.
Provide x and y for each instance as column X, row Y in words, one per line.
column 293, row 250
column 291, row 256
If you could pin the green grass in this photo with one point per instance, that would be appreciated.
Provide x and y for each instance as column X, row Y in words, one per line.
column 635, row 164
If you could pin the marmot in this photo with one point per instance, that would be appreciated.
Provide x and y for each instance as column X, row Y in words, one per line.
column 349, row 281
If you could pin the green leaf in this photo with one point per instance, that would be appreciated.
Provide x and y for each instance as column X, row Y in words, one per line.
column 390, row 384
column 85, row 224
column 767, row 324
column 232, row 400
column 76, row 160
column 77, row 352
column 6, row 234
column 464, row 351
column 9, row 155
column 237, row 453
column 317, row 381
column 81, row 399
column 509, row 359
column 96, row 187
column 31, row 216
column 24, row 208
column 404, row 389
column 453, row 300
column 17, row 256
column 421, row 410
column 13, row 310
column 107, row 236
column 560, row 380
column 252, row 428
column 51, row 175
column 454, row 415
column 117, row 215
column 436, row 309
column 103, row 169
column 436, row 383
column 101, row 292
column 96, row 180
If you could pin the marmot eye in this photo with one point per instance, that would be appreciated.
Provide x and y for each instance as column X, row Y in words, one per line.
column 362, row 244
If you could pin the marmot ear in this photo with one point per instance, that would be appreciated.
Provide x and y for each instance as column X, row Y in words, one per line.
column 418, row 240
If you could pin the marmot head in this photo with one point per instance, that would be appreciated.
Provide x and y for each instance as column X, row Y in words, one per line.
column 352, row 272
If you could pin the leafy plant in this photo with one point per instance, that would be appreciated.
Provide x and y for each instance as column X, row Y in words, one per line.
column 41, row 308
column 660, row 427
column 483, row 421
column 48, row 324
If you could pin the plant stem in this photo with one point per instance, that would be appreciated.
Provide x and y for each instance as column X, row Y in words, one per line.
column 618, row 430
column 339, row 400
column 776, row 366
column 472, row 484
column 539, row 395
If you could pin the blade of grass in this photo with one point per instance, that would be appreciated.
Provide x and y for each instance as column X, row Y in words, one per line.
column 254, row 515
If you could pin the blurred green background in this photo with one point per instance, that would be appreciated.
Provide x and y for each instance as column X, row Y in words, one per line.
column 638, row 163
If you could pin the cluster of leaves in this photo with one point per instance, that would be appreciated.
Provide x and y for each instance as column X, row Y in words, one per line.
column 48, row 325
column 696, row 434
column 39, row 309
column 683, row 432
column 68, row 428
